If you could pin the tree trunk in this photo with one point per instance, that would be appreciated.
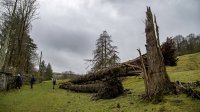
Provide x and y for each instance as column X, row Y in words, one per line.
column 157, row 80
column 5, row 55
column 121, row 70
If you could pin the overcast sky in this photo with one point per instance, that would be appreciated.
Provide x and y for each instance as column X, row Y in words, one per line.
column 68, row 29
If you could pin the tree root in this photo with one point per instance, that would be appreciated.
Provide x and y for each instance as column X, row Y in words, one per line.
column 187, row 88
column 109, row 88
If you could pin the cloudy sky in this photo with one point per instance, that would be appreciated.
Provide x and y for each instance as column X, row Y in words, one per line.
column 67, row 29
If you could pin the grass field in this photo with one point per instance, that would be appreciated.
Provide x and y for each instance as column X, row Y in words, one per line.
column 43, row 99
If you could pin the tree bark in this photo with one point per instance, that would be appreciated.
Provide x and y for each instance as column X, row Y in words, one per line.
column 5, row 55
column 157, row 79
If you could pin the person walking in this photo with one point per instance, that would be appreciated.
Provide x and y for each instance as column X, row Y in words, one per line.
column 18, row 81
column 32, row 81
column 54, row 82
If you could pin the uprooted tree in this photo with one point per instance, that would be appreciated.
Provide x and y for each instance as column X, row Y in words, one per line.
column 103, row 79
column 104, row 82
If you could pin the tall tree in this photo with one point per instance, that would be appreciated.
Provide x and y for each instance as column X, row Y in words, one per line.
column 156, row 79
column 27, row 11
column 105, row 54
column 42, row 67
column 30, row 55
column 40, row 63
column 49, row 72
column 6, row 29
column 18, row 48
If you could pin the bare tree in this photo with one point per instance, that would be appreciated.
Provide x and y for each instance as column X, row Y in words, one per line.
column 17, row 17
column 7, row 18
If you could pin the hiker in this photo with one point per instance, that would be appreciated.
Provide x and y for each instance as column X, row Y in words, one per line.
column 54, row 82
column 32, row 81
column 18, row 83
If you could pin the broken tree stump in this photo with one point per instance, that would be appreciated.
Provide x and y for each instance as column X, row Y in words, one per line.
column 156, row 79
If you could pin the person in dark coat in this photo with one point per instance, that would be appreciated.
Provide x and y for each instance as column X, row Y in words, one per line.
column 32, row 81
column 54, row 82
column 18, row 82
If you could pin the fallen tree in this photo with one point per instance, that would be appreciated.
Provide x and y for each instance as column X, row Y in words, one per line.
column 86, row 88
column 129, row 68
column 116, row 71
column 110, row 87
column 105, row 83
column 151, row 65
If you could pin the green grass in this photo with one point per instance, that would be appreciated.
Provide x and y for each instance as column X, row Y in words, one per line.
column 43, row 99
column 186, row 63
column 187, row 69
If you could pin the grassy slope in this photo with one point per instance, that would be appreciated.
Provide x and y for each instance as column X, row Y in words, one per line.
column 43, row 99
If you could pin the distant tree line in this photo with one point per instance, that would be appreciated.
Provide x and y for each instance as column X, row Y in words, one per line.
column 178, row 46
column 187, row 45
column 65, row 75
column 69, row 75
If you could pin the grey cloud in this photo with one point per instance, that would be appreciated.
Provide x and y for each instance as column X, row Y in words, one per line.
column 67, row 30
column 77, row 42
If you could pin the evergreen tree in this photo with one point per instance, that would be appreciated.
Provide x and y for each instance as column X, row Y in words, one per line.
column 105, row 54
column 49, row 72
column 168, row 49
column 42, row 69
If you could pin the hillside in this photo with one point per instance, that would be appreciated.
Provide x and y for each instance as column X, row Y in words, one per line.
column 187, row 69
column 43, row 99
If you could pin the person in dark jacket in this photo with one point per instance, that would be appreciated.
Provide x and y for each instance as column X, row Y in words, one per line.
column 54, row 82
column 18, row 82
column 32, row 81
